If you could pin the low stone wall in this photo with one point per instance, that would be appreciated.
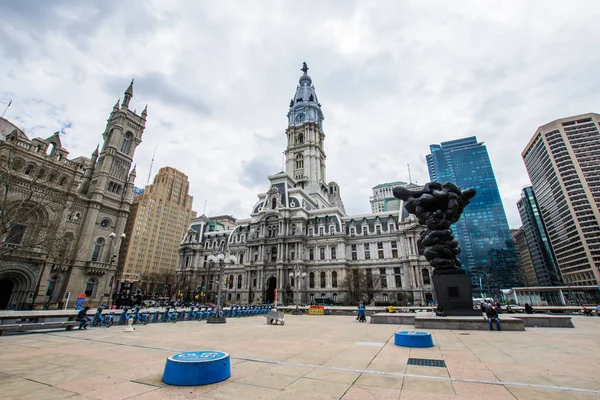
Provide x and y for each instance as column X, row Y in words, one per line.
column 393, row 318
column 544, row 321
column 466, row 323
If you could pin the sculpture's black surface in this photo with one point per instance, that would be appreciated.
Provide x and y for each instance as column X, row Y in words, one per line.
column 437, row 207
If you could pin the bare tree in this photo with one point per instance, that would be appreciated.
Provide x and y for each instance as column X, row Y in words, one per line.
column 355, row 283
column 32, row 204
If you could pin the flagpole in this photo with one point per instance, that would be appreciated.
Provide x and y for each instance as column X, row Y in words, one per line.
column 9, row 103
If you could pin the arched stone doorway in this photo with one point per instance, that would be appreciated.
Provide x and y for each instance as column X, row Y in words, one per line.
column 17, row 288
column 271, row 286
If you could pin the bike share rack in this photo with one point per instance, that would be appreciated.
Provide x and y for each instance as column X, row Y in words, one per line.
column 199, row 314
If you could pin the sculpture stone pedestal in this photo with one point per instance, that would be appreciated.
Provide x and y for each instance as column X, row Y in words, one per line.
column 455, row 293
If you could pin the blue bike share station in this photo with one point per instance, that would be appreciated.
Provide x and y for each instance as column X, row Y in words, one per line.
column 197, row 368
column 413, row 339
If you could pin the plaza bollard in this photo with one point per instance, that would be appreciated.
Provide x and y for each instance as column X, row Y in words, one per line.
column 197, row 368
column 129, row 327
column 413, row 339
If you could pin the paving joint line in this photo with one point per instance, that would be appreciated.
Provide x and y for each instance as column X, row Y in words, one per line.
column 356, row 370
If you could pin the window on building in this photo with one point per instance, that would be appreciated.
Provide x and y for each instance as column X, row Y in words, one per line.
column 126, row 143
column 311, row 280
column 378, row 229
column 333, row 253
column 321, row 253
column 29, row 169
column 321, row 231
column 254, row 282
column 394, row 249
column 16, row 234
column 354, row 253
column 383, row 278
column 293, row 255
column 322, row 279
column 380, row 250
column 426, row 278
column 397, row 278
column 90, row 287
column 311, row 254
column 51, row 285
column 367, row 252
column 273, row 254
column 369, row 274
column 241, row 258
column 230, row 282
column 239, row 281
column 391, row 227
column 299, row 161
column 385, row 297
column 334, row 282
column 353, row 231
column 98, row 247
column 365, row 230
column 335, row 297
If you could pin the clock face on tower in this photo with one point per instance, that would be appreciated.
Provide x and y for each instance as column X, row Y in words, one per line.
column 299, row 117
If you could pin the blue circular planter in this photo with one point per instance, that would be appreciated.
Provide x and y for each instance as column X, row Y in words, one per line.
column 197, row 368
column 413, row 339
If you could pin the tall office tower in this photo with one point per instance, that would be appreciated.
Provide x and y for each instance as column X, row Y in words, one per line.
column 158, row 222
column 537, row 241
column 563, row 162
column 487, row 249
column 529, row 275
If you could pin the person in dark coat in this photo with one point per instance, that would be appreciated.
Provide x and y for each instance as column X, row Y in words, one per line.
column 83, row 319
column 492, row 316
column 528, row 309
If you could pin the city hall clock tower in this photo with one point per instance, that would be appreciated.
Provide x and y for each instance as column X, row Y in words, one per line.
column 305, row 151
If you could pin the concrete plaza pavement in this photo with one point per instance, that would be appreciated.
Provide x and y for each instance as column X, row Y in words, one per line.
column 310, row 357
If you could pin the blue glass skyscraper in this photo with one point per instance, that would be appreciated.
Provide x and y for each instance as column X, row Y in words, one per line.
column 487, row 249
column 536, row 236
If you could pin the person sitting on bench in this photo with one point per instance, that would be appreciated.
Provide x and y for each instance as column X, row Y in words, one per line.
column 492, row 315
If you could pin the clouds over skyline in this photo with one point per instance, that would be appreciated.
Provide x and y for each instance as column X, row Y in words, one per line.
column 393, row 78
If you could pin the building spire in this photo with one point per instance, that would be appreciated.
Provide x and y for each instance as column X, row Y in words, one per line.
column 128, row 95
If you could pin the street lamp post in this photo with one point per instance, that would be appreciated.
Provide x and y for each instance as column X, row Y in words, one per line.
column 221, row 259
column 298, row 275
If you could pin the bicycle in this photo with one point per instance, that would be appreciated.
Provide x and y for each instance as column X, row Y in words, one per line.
column 103, row 319
column 169, row 316
column 143, row 317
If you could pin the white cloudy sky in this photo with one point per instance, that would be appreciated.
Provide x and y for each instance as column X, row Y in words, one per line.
column 393, row 77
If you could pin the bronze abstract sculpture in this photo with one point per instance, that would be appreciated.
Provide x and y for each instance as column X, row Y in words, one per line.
column 437, row 207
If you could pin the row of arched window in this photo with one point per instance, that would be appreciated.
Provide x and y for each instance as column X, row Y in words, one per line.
column 114, row 187
column 230, row 282
column 90, row 286
column 40, row 174
column 323, row 279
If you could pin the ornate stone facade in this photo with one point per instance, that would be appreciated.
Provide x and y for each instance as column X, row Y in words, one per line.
column 68, row 241
column 299, row 224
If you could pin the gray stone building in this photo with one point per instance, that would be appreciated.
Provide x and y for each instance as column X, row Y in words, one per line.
column 63, row 219
column 299, row 239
